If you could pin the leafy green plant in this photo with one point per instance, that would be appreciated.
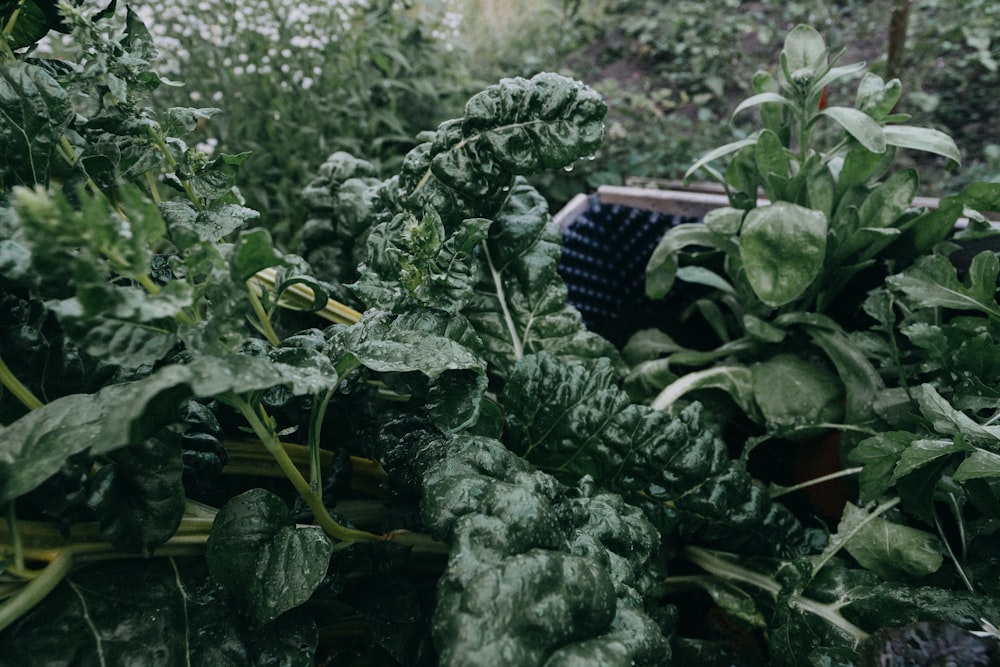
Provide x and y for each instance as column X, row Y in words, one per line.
column 780, row 277
column 447, row 473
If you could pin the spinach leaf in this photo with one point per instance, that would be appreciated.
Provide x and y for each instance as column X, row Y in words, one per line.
column 257, row 554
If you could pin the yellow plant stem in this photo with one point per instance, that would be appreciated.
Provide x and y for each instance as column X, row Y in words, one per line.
column 44, row 543
column 16, row 387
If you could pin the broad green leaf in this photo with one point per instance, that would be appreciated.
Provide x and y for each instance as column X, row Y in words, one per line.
column 877, row 98
column 878, row 456
column 34, row 20
column 725, row 220
column 128, row 413
column 773, row 164
column 262, row 559
column 415, row 261
column 950, row 421
column 208, row 225
column 427, row 344
column 859, row 125
column 661, row 269
column 795, row 395
column 782, row 247
column 151, row 612
column 923, row 451
column 804, row 49
column 980, row 464
column 252, row 252
column 891, row 550
column 862, row 382
column 138, row 495
column 573, row 418
column 516, row 127
column 860, row 166
column 34, row 113
column 932, row 282
column 922, row 139
column 889, row 199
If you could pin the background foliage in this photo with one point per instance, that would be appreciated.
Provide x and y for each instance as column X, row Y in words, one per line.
column 299, row 80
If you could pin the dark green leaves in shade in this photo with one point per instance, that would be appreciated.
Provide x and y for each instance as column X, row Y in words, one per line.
column 261, row 558
column 572, row 418
column 97, row 617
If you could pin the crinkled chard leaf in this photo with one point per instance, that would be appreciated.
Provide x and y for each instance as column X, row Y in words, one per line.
column 424, row 354
column 178, row 619
column 130, row 412
column 536, row 571
column 36, row 111
column 519, row 306
column 415, row 262
column 928, row 643
column 573, row 418
column 516, row 127
column 262, row 559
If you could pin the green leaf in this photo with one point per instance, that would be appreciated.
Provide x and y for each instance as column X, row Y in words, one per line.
column 33, row 21
column 662, row 267
column 877, row 98
column 922, row 451
column 922, row 139
column 574, row 419
column 435, row 347
column 862, row 382
column 519, row 305
column 859, row 125
column 138, row 495
column 980, row 464
column 728, row 149
column 891, row 550
column 878, row 456
column 516, row 127
column 36, row 112
column 252, row 252
column 773, row 164
column 128, row 413
column 795, row 395
column 889, row 199
column 782, row 247
column 804, row 49
column 210, row 225
column 178, row 619
column 932, row 282
column 414, row 261
column 262, row 559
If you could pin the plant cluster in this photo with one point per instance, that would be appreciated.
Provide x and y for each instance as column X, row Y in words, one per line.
column 300, row 80
column 206, row 459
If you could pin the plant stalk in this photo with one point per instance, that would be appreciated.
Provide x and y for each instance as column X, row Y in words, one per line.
column 301, row 485
column 16, row 387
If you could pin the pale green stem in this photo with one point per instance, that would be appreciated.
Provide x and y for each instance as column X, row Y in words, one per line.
column 720, row 567
column 689, row 382
column 262, row 317
column 301, row 485
column 779, row 491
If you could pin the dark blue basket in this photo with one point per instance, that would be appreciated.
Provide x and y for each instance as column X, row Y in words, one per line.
column 603, row 263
